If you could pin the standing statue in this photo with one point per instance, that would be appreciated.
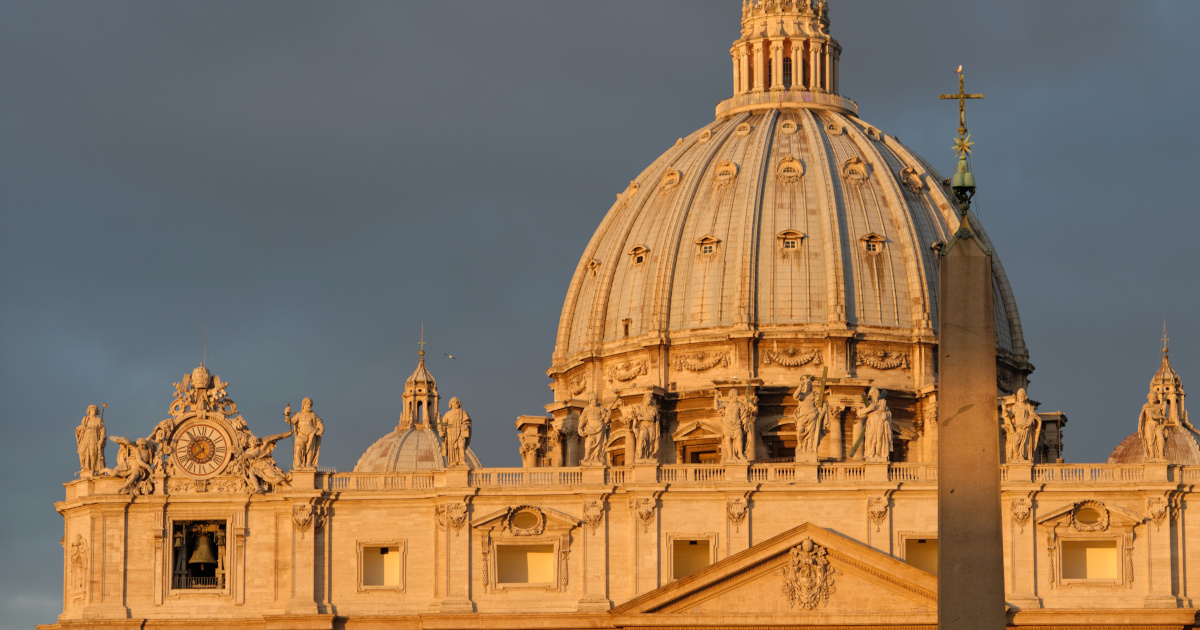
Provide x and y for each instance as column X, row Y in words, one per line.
column 593, row 428
column 733, row 428
column 877, row 434
column 90, row 438
column 1023, row 427
column 642, row 422
column 135, row 463
column 260, row 465
column 812, row 417
column 455, row 433
column 308, row 431
column 1152, row 428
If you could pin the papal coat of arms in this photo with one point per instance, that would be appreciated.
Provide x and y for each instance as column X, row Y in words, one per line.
column 808, row 576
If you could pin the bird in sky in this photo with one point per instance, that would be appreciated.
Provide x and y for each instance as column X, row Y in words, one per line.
column 450, row 355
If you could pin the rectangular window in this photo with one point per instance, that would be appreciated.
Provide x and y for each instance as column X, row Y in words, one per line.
column 1089, row 560
column 525, row 564
column 381, row 566
column 922, row 553
column 198, row 555
column 689, row 556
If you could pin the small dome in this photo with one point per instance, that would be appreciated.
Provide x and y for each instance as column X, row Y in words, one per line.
column 1181, row 448
column 403, row 450
column 420, row 376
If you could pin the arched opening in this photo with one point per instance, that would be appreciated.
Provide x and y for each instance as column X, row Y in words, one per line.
column 787, row 71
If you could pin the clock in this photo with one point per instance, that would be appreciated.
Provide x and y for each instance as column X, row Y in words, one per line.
column 201, row 449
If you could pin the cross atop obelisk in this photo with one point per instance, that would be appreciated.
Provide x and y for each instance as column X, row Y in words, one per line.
column 963, row 143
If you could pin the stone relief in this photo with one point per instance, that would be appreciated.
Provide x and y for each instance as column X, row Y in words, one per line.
column 791, row 357
column 1152, row 428
column 1004, row 383
column 626, row 371
column 701, row 361
column 1081, row 521
column 563, row 570
column 455, row 431
column 670, row 179
column 90, row 438
column 881, row 359
column 1022, row 428
column 302, row 516
column 643, row 423
column 725, row 173
column 577, row 385
column 812, row 418
column 808, row 576
column 593, row 428
column 79, row 563
column 643, row 510
column 525, row 520
column 202, row 391
column 911, row 179
column 456, row 514
column 307, row 430
column 593, row 513
column 877, row 510
column 738, row 415
column 1158, row 509
column 877, row 432
column 736, row 509
column 789, row 170
column 1022, row 509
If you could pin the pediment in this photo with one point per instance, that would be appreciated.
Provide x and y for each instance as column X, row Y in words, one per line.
column 694, row 430
column 526, row 520
column 831, row 578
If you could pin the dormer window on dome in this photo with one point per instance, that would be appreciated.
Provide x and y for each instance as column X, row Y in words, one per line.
column 638, row 254
column 789, row 242
column 873, row 243
column 707, row 246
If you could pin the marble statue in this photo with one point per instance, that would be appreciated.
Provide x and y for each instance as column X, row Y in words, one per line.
column 877, row 434
column 135, row 464
column 733, row 425
column 642, row 421
column 1152, row 428
column 812, row 417
column 456, row 434
column 308, row 431
column 260, row 465
column 593, row 428
column 90, row 438
column 1023, row 428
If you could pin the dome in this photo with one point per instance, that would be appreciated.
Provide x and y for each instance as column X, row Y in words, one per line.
column 788, row 233
column 1181, row 448
column 404, row 450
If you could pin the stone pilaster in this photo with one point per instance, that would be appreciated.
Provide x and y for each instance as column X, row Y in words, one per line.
column 594, row 538
column 456, row 524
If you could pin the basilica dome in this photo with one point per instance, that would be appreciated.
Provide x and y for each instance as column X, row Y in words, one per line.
column 786, row 219
column 789, row 237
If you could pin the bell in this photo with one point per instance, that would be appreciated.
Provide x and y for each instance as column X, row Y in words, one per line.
column 204, row 552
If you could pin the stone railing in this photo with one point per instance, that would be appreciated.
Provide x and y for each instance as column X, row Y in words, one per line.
column 502, row 477
column 1086, row 473
column 691, row 473
column 796, row 98
column 339, row 482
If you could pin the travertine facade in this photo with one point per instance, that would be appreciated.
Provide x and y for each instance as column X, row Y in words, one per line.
column 743, row 431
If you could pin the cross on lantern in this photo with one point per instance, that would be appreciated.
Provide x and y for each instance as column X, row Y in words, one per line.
column 963, row 143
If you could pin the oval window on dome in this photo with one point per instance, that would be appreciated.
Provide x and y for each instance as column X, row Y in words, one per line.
column 788, row 127
column 705, row 135
column 789, row 170
column 873, row 133
column 743, row 129
column 833, row 129
column 670, row 179
column 726, row 172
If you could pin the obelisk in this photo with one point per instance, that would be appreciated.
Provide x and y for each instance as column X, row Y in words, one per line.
column 970, row 548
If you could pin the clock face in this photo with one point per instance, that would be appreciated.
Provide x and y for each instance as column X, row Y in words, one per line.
column 201, row 449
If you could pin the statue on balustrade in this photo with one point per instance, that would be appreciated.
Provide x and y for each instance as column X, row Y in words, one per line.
column 308, row 431
column 1152, row 428
column 643, row 423
column 455, row 429
column 259, row 465
column 593, row 428
column 737, row 421
column 812, row 417
column 877, row 432
column 90, row 438
column 1022, row 428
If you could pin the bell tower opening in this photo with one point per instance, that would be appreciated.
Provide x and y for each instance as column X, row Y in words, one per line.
column 198, row 555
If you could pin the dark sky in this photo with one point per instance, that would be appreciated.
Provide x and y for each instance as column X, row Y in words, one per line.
column 311, row 181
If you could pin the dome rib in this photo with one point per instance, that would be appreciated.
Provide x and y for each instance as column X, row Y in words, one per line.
column 748, row 278
column 835, row 279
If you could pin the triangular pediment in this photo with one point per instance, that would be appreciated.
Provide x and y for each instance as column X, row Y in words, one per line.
column 827, row 579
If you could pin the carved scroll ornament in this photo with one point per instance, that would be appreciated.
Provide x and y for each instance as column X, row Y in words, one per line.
column 808, row 576
column 302, row 516
column 701, row 361
column 911, row 179
column 643, row 510
column 882, row 359
column 737, row 509
column 1022, row 509
column 593, row 513
column 626, row 371
column 854, row 171
column 791, row 356
column 877, row 509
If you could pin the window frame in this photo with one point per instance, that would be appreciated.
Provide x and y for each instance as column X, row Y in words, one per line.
column 402, row 550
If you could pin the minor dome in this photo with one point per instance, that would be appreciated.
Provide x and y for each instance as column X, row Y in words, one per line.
column 403, row 450
column 1181, row 449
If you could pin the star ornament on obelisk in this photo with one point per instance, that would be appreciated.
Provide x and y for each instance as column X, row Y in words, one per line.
column 970, row 549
